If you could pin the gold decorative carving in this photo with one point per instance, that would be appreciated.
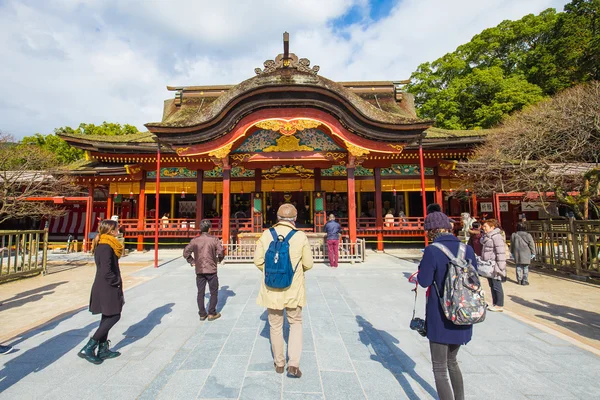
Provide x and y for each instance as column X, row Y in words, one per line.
column 222, row 152
column 181, row 150
column 355, row 150
column 300, row 64
column 287, row 127
column 335, row 156
column 448, row 165
column 288, row 143
column 398, row 147
column 133, row 169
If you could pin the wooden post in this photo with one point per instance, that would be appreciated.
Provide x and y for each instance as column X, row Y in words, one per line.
column 172, row 209
column 109, row 205
column 474, row 200
column 258, row 180
column 226, row 203
column 141, row 212
column 439, row 198
column 89, row 205
column 423, row 194
column 156, row 216
column 317, row 179
column 199, row 197
column 574, row 239
column 351, row 204
column 496, row 204
column 378, row 209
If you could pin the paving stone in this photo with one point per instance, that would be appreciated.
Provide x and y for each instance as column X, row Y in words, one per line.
column 377, row 381
column 302, row 396
column 324, row 328
column 310, row 381
column 204, row 354
column 226, row 378
column 240, row 342
column 262, row 386
column 184, row 384
column 342, row 386
column 116, row 392
column 332, row 355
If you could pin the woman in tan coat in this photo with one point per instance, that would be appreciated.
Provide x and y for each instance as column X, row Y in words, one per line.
column 292, row 298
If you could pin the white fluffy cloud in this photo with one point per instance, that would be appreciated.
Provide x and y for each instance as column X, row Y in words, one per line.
column 71, row 61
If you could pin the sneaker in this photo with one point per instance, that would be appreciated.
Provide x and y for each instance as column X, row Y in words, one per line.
column 6, row 349
column 203, row 318
column 496, row 309
column 525, row 283
column 214, row 316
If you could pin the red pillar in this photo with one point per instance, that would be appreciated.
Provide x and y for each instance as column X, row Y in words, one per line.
column 109, row 205
column 497, row 207
column 199, row 197
column 156, row 216
column 378, row 209
column 439, row 198
column 89, row 206
column 141, row 212
column 226, row 203
column 423, row 194
column 474, row 209
column 351, row 204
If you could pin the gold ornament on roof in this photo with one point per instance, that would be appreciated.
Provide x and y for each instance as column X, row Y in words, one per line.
column 288, row 143
column 287, row 128
column 181, row 150
column 398, row 147
column 355, row 150
column 222, row 152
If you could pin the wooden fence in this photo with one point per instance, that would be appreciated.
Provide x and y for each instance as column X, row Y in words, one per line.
column 22, row 253
column 348, row 252
column 567, row 244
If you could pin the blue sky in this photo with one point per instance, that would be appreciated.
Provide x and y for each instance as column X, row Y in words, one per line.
column 71, row 61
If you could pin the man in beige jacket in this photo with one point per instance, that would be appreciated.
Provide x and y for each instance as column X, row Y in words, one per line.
column 293, row 298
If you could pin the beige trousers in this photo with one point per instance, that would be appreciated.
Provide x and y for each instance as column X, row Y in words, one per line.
column 294, row 316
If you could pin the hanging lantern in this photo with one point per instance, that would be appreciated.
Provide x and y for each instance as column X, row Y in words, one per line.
column 131, row 195
column 394, row 191
column 116, row 193
column 467, row 191
column 183, row 194
column 242, row 191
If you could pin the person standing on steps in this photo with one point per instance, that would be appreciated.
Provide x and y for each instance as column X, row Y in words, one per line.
column 523, row 251
column 333, row 229
column 204, row 253
column 107, row 291
column 291, row 298
column 493, row 247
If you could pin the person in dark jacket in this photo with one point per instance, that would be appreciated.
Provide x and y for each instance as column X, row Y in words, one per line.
column 445, row 338
column 475, row 238
column 107, row 291
column 333, row 229
column 523, row 251
column 204, row 253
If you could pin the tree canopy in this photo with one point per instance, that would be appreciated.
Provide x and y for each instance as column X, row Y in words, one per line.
column 505, row 68
column 550, row 147
column 66, row 154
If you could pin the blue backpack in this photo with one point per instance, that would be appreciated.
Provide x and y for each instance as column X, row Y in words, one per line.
column 278, row 264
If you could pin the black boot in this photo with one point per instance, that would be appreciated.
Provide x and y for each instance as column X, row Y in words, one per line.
column 104, row 353
column 89, row 352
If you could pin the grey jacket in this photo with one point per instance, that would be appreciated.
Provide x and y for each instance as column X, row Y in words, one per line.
column 493, row 247
column 522, row 247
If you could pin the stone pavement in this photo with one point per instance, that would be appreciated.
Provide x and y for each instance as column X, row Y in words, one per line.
column 357, row 345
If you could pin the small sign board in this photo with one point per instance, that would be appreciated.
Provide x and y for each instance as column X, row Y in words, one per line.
column 503, row 206
column 486, row 206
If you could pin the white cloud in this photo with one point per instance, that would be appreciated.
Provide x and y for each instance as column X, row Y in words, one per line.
column 71, row 61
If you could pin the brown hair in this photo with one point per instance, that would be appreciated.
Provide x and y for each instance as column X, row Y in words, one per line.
column 104, row 227
column 492, row 222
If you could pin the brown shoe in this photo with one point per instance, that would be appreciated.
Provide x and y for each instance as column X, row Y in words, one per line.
column 279, row 370
column 203, row 318
column 214, row 316
column 294, row 372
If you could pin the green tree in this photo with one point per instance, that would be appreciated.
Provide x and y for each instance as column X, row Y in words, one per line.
column 66, row 154
column 507, row 67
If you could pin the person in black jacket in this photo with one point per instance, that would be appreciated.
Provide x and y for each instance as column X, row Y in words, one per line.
column 107, row 291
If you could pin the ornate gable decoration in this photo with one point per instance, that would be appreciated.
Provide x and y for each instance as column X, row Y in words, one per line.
column 280, row 62
column 287, row 128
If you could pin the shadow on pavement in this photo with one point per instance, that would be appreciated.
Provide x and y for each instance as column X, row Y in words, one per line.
column 383, row 353
column 141, row 329
column 40, row 357
column 28, row 296
column 224, row 294
column 581, row 322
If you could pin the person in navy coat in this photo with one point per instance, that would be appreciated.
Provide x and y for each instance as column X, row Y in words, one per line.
column 445, row 338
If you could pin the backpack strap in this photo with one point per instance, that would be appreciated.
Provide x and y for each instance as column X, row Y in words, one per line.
column 289, row 235
column 462, row 251
column 445, row 250
column 273, row 233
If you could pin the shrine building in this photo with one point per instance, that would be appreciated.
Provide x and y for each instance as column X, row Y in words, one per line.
column 234, row 153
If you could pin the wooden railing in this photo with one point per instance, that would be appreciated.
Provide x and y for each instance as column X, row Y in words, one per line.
column 22, row 253
column 567, row 244
column 348, row 252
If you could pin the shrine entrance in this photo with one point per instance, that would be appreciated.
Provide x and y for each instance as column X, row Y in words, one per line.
column 300, row 200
